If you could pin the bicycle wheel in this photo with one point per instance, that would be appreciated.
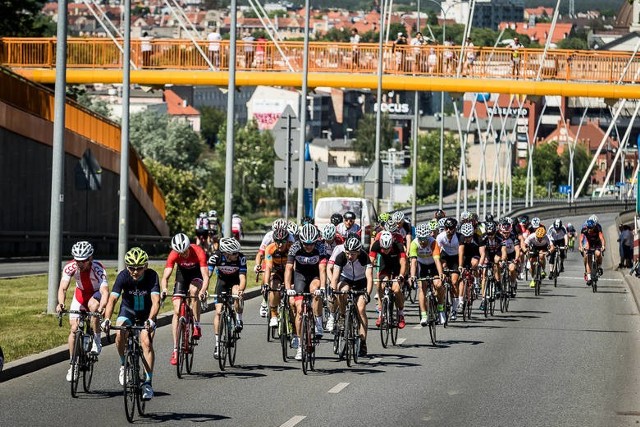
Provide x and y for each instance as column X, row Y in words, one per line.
column 87, row 374
column 357, row 339
column 413, row 293
column 284, row 331
column 130, row 386
column 393, row 321
column 304, row 342
column 486, row 297
column 492, row 299
column 223, row 340
column 189, row 347
column 594, row 275
column 348, row 337
column 556, row 271
column 503, row 295
column 538, row 280
column 311, row 357
column 270, row 331
column 432, row 316
column 447, row 305
column 139, row 374
column 76, row 363
column 233, row 346
column 384, row 329
column 181, row 347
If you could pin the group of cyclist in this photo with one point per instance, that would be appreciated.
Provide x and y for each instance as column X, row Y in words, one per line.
column 208, row 230
column 314, row 262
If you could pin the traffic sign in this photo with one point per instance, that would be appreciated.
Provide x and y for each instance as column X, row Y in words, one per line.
column 564, row 189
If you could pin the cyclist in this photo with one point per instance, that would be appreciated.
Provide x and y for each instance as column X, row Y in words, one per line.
column 424, row 256
column 538, row 244
column 230, row 266
column 393, row 263
column 348, row 225
column 236, row 227
column 202, row 229
column 266, row 241
column 492, row 252
column 471, row 250
column 336, row 219
column 452, row 258
column 331, row 241
column 511, row 243
column 140, row 291
column 192, row 279
column 275, row 263
column 592, row 237
column 214, row 229
column 337, row 250
column 353, row 271
column 404, row 228
column 571, row 232
column 306, row 272
column 558, row 235
column 91, row 292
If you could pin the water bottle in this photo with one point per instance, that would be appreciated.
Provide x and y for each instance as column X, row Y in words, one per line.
column 86, row 342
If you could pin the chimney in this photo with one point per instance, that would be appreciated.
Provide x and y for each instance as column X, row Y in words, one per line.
column 184, row 103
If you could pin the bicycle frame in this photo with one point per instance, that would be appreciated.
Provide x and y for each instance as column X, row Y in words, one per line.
column 349, row 338
column 227, row 333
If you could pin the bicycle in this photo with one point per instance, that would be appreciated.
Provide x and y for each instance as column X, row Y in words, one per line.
column 285, row 328
column 308, row 339
column 348, row 337
column 448, row 297
column 389, row 314
column 133, row 376
column 410, row 291
column 489, row 295
column 505, row 287
column 537, row 272
column 468, row 293
column 81, row 359
column 432, row 308
column 556, row 265
column 228, row 335
column 593, row 262
column 572, row 241
column 186, row 343
column 272, row 331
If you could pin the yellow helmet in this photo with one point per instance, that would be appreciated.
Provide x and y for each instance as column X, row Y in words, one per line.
column 540, row 232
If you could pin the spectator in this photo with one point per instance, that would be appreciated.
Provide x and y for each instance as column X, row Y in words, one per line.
column 417, row 41
column 399, row 48
column 214, row 38
column 146, row 48
column 248, row 41
column 355, row 50
column 470, row 52
column 516, row 59
column 626, row 238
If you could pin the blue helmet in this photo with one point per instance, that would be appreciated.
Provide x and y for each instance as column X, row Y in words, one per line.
column 590, row 223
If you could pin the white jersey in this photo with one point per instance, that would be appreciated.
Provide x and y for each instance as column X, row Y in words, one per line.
column 87, row 283
column 268, row 239
column 236, row 223
column 334, row 254
column 532, row 241
column 449, row 247
column 342, row 230
column 557, row 233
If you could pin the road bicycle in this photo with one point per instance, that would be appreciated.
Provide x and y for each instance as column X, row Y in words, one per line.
column 410, row 291
column 389, row 314
column 468, row 293
column 595, row 270
column 82, row 360
column 285, row 327
column 556, row 265
column 308, row 340
column 490, row 290
column 537, row 270
column 504, row 287
column 186, row 343
column 228, row 335
column 272, row 331
column 134, row 374
column 432, row 307
column 448, row 293
column 347, row 338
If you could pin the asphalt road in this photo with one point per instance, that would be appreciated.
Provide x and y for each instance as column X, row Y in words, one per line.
column 565, row 358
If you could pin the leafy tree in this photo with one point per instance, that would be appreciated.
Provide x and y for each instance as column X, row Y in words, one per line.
column 335, row 35
column 24, row 19
column 546, row 163
column 365, row 141
column 581, row 160
column 575, row 43
column 172, row 143
column 211, row 119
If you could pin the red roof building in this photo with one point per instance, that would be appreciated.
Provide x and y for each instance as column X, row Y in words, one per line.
column 177, row 108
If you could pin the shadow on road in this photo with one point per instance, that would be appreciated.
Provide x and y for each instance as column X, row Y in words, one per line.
column 163, row 417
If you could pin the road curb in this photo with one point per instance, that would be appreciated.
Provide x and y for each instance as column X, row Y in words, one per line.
column 59, row 354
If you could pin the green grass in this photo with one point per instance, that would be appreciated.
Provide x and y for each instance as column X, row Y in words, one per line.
column 26, row 328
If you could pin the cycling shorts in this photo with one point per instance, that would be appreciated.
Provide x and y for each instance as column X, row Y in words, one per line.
column 185, row 278
column 301, row 282
column 354, row 285
column 225, row 285
column 427, row 270
column 75, row 305
column 466, row 261
column 511, row 256
column 451, row 261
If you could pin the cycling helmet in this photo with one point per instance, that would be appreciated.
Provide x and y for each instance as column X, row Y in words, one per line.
column 439, row 214
column 308, row 234
column 329, row 232
column 292, row 228
column 535, row 222
column 441, row 222
column 467, row 229
column 569, row 225
column 465, row 216
column 352, row 234
column 280, row 234
column 432, row 226
column 397, row 216
column 422, row 231
column 136, row 257
column 474, row 217
column 508, row 220
column 590, row 223
column 488, row 217
column 540, row 232
column 82, row 251
column 229, row 245
column 235, row 216
column 391, row 226
column 202, row 215
column 386, row 240
column 307, row 220
column 336, row 218
column 180, row 242
column 557, row 223
column 349, row 215
column 490, row 227
column 213, row 213
column 523, row 219
column 279, row 223
column 505, row 228
column 353, row 244
column 450, row 223
column 384, row 217
column 594, row 217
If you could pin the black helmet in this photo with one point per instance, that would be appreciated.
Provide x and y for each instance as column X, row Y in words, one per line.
column 488, row 217
column 336, row 218
column 439, row 214
column 306, row 220
column 353, row 244
column 450, row 223
column 490, row 227
column 523, row 219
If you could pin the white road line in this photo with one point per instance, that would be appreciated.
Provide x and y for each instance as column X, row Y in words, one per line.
column 293, row 421
column 338, row 388
column 582, row 278
column 418, row 326
column 401, row 341
column 375, row 360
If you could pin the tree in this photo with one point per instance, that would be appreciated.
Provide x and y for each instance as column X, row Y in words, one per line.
column 172, row 143
column 581, row 160
column 546, row 164
column 365, row 141
column 211, row 120
column 574, row 43
column 24, row 19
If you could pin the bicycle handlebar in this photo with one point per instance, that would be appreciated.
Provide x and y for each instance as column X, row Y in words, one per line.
column 80, row 312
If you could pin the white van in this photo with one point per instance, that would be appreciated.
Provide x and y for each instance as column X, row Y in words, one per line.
column 366, row 215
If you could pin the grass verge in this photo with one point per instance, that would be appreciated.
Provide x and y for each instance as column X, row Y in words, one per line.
column 28, row 329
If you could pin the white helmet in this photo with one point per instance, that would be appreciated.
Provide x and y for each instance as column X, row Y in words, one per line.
column 353, row 244
column 535, row 222
column 279, row 223
column 213, row 213
column 229, row 245
column 180, row 242
column 594, row 218
column 467, row 229
column 329, row 232
column 292, row 227
column 397, row 216
column 308, row 234
column 391, row 226
column 386, row 240
column 422, row 231
column 82, row 251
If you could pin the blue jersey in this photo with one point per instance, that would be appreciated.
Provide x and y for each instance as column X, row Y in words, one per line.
column 136, row 295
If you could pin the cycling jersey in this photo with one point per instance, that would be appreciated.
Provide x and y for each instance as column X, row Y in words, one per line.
column 307, row 263
column 214, row 225
column 533, row 242
column 592, row 235
column 425, row 254
column 335, row 252
column 404, row 229
column 194, row 259
column 493, row 245
column 556, row 234
column 448, row 247
column 268, row 239
column 229, row 270
column 390, row 261
column 353, row 270
column 330, row 246
column 277, row 258
column 509, row 242
column 202, row 223
column 87, row 282
column 136, row 294
column 342, row 230
column 523, row 230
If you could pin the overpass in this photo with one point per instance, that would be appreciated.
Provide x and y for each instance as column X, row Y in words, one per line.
column 571, row 73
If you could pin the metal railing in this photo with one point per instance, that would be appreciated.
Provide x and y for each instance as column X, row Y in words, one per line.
column 426, row 60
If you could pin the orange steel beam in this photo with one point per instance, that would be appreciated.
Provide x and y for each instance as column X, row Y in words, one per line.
column 342, row 80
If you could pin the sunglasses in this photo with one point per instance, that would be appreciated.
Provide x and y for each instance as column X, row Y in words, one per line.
column 281, row 242
column 135, row 269
column 232, row 254
column 352, row 253
column 84, row 261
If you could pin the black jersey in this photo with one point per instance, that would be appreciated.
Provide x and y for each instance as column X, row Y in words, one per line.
column 493, row 245
column 307, row 263
column 390, row 260
column 136, row 295
column 227, row 269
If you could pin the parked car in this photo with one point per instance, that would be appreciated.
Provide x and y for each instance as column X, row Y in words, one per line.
column 366, row 215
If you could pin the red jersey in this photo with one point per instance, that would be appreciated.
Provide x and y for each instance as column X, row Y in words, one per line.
column 194, row 259
column 87, row 282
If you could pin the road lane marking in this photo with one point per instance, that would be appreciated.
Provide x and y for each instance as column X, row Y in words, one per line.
column 418, row 326
column 401, row 341
column 375, row 360
column 582, row 278
column 293, row 421
column 338, row 388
